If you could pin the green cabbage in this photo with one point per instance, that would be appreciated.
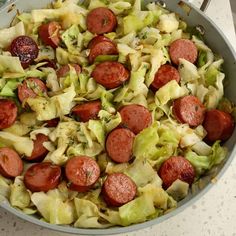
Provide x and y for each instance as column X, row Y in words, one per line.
column 70, row 37
column 170, row 91
column 23, row 145
column 56, row 106
column 145, row 143
column 18, row 129
column 8, row 90
column 135, row 87
column 8, row 34
column 137, row 210
column 53, row 209
column 88, row 214
column 19, row 196
column 142, row 173
column 168, row 23
column 5, row 189
column 178, row 190
column 204, row 163
column 97, row 129
column 68, row 7
column 188, row 71
column 11, row 64
column 110, row 121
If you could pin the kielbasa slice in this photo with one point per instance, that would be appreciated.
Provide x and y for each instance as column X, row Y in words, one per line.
column 49, row 34
column 101, row 20
column 87, row 111
column 165, row 74
column 31, row 88
column 8, row 113
column 183, row 48
column 64, row 70
column 25, row 48
column 102, row 48
column 176, row 167
column 42, row 177
column 190, row 110
column 110, row 74
column 135, row 117
column 219, row 125
column 39, row 151
column 119, row 145
column 118, row 189
column 49, row 63
column 82, row 172
column 52, row 123
column 11, row 164
column 98, row 39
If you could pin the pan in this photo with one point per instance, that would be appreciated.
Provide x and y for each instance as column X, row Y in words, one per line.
column 219, row 44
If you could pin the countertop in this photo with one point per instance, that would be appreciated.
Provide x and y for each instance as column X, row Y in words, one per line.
column 214, row 214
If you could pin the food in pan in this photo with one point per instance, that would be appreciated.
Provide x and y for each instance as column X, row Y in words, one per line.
column 109, row 113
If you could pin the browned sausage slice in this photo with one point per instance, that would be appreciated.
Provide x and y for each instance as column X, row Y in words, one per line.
column 119, row 145
column 176, row 167
column 102, row 48
column 8, row 113
column 190, row 110
column 64, row 70
column 135, row 117
column 110, row 74
column 42, row 177
column 31, row 88
column 82, row 172
column 49, row 33
column 165, row 74
column 49, row 63
column 219, row 125
column 11, row 164
column 25, row 48
column 183, row 48
column 87, row 111
column 39, row 151
column 101, row 20
column 98, row 39
column 52, row 123
column 118, row 189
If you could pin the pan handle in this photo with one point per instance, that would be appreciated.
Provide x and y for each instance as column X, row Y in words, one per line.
column 204, row 5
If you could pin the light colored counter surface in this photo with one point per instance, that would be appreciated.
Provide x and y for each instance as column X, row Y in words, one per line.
column 214, row 214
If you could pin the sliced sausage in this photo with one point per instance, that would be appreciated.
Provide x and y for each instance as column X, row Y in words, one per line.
column 87, row 111
column 101, row 20
column 52, row 123
column 98, row 39
column 25, row 48
column 176, row 167
column 39, row 151
column 219, row 125
column 49, row 34
column 119, row 145
column 165, row 74
column 8, row 113
column 102, row 48
column 31, row 88
column 64, row 70
column 49, row 63
column 11, row 164
column 135, row 117
column 118, row 189
column 190, row 110
column 82, row 172
column 183, row 48
column 42, row 177
column 110, row 74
